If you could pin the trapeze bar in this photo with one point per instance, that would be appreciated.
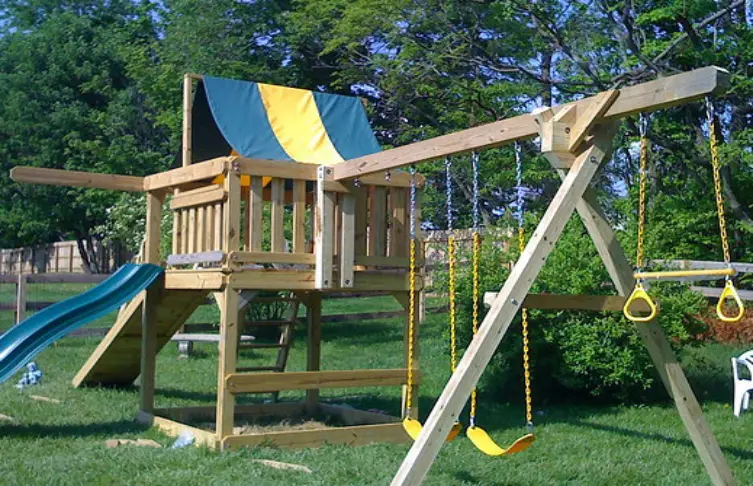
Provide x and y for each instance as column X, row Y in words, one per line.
column 712, row 272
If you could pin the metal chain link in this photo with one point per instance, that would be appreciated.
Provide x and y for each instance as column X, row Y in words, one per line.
column 717, row 182
column 643, row 129
column 524, row 312
column 412, row 295
column 475, row 269
column 452, row 262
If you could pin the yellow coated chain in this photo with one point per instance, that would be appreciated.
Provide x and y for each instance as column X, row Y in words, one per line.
column 411, row 327
column 642, row 194
column 526, row 356
column 475, row 271
column 718, row 187
column 453, row 333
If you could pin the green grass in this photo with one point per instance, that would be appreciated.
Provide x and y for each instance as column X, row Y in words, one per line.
column 577, row 444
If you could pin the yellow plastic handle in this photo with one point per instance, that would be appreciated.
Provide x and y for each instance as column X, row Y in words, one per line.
column 639, row 293
column 729, row 292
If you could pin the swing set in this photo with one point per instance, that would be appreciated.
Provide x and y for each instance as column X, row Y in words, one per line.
column 477, row 435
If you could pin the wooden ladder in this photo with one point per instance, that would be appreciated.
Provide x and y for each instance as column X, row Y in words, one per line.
column 283, row 344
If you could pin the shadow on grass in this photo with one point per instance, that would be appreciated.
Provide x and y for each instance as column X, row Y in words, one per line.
column 72, row 430
column 740, row 453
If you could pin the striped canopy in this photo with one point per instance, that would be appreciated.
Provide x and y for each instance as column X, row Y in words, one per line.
column 270, row 122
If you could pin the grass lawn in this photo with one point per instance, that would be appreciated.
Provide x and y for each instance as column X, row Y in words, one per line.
column 63, row 443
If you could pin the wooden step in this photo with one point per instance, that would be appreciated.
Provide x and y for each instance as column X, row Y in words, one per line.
column 264, row 345
column 251, row 369
column 270, row 323
column 117, row 359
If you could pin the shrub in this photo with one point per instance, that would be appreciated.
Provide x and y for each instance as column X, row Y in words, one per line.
column 573, row 353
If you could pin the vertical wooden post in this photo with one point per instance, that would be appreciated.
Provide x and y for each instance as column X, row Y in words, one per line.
column 324, row 231
column 153, row 220
column 231, row 214
column 314, row 345
column 151, row 254
column 255, row 206
column 378, row 223
column 361, row 223
column 228, row 355
column 347, row 237
column 187, row 99
column 21, row 297
column 299, row 216
column 278, row 215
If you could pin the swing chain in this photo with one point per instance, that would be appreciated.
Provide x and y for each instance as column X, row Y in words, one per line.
column 718, row 183
column 412, row 294
column 452, row 262
column 475, row 268
column 523, row 312
column 643, row 129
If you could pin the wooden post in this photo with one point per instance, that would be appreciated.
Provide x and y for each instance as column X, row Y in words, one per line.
column 314, row 348
column 299, row 216
column 187, row 99
column 254, row 218
column 324, row 230
column 153, row 220
column 497, row 321
column 231, row 215
column 347, row 238
column 658, row 347
column 278, row 215
column 149, row 345
column 228, row 352
column 151, row 254
column 21, row 298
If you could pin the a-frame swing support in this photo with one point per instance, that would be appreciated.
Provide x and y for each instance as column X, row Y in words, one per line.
column 577, row 139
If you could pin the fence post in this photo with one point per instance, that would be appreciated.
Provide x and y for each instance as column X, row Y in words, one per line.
column 21, row 298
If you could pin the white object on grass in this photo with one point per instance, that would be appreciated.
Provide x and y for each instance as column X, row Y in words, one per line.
column 743, row 386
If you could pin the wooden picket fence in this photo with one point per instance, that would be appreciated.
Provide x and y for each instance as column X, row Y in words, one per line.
column 60, row 257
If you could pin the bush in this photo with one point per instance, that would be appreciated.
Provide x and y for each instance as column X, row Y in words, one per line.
column 573, row 354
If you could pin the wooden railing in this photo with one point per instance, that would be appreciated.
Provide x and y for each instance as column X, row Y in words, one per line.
column 281, row 214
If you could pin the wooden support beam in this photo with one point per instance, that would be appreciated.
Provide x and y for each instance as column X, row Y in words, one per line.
column 494, row 326
column 596, row 303
column 278, row 215
column 231, row 213
column 352, row 436
column 324, row 230
column 313, row 345
column 187, row 118
column 347, row 237
column 194, row 279
column 255, row 213
column 186, row 176
column 299, row 216
column 198, row 197
column 312, row 380
column 228, row 352
column 153, row 223
column 21, row 297
column 244, row 257
column 149, row 349
column 653, row 95
column 75, row 178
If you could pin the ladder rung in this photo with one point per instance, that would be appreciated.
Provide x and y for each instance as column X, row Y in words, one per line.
column 264, row 345
column 268, row 323
column 258, row 368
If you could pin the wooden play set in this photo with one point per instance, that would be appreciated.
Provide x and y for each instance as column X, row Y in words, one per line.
column 362, row 236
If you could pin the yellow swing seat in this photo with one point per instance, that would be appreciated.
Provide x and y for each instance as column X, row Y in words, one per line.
column 486, row 444
column 413, row 428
